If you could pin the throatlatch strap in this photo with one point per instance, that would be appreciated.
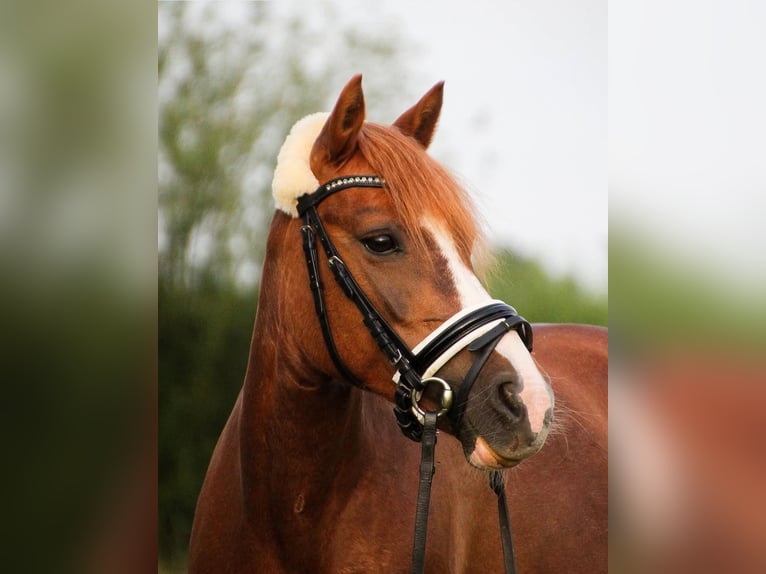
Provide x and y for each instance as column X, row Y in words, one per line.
column 497, row 484
column 427, row 469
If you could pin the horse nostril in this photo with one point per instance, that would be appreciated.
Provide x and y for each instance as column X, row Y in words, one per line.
column 516, row 409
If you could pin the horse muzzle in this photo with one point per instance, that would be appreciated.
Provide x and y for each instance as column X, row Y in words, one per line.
column 504, row 438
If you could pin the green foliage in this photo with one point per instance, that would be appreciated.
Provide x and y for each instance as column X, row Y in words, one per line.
column 204, row 338
column 664, row 297
column 540, row 297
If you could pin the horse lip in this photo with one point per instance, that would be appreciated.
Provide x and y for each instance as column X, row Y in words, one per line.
column 484, row 456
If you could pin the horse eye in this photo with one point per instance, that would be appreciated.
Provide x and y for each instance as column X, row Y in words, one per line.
column 380, row 244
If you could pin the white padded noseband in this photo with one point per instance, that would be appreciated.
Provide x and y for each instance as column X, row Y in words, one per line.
column 444, row 358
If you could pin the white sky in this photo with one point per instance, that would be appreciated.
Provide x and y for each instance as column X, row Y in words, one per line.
column 549, row 103
column 524, row 123
column 687, row 128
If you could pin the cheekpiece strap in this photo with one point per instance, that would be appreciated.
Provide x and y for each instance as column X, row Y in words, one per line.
column 384, row 335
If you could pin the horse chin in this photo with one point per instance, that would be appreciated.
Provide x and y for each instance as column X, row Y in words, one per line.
column 484, row 457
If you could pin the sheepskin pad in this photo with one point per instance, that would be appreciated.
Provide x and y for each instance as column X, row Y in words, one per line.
column 293, row 176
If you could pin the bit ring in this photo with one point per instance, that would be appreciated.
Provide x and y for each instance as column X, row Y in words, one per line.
column 446, row 399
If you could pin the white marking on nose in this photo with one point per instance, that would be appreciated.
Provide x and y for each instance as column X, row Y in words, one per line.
column 469, row 288
column 535, row 393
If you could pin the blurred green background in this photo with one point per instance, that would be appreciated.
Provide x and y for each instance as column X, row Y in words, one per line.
column 226, row 101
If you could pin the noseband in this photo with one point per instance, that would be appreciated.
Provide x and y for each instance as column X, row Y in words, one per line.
column 478, row 328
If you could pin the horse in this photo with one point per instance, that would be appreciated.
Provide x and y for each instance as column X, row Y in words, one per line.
column 312, row 473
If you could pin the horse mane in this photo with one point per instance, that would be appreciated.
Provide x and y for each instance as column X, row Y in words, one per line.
column 420, row 188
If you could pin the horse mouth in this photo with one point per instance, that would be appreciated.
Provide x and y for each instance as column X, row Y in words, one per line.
column 484, row 457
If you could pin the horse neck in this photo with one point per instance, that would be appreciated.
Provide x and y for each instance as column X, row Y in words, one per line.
column 300, row 432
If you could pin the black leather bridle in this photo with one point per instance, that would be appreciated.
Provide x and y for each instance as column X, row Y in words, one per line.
column 479, row 329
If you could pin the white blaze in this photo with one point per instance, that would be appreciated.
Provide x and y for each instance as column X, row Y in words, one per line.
column 535, row 392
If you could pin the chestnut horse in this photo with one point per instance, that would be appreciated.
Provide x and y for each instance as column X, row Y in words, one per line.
column 311, row 472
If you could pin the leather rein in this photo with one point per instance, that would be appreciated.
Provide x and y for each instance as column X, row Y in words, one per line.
column 479, row 329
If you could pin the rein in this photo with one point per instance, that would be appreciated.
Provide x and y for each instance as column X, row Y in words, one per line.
column 479, row 329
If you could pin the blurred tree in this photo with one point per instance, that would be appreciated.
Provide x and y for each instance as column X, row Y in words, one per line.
column 229, row 90
column 665, row 298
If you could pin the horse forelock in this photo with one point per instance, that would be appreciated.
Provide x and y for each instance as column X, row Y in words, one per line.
column 420, row 188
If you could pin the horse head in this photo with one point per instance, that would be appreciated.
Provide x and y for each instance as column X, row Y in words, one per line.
column 408, row 241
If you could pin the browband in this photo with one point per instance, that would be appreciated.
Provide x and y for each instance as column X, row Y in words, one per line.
column 309, row 200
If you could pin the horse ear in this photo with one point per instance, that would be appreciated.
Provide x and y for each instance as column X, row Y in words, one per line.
column 420, row 120
column 337, row 140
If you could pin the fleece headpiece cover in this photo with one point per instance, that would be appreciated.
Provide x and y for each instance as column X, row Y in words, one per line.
column 293, row 176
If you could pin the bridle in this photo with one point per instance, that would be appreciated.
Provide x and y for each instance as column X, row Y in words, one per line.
column 479, row 329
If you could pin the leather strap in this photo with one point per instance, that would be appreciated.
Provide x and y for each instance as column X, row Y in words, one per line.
column 397, row 352
column 427, row 470
column 334, row 186
column 409, row 366
column 389, row 342
column 312, row 263
column 466, row 326
column 497, row 484
column 486, row 344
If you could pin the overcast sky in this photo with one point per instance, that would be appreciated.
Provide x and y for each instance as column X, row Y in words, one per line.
column 557, row 111
column 524, row 122
column 687, row 129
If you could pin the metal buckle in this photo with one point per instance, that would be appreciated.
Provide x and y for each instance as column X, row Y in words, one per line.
column 446, row 402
